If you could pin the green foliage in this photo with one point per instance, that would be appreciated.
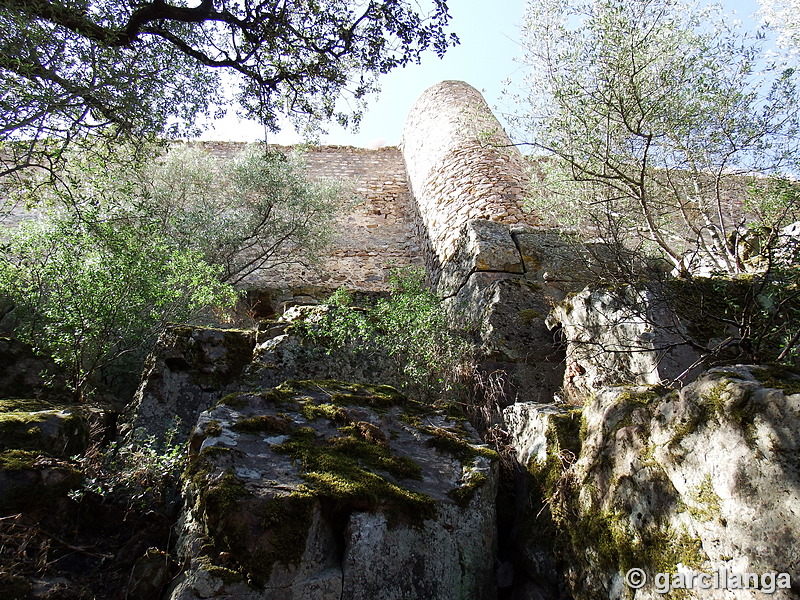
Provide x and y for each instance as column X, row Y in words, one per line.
column 754, row 318
column 652, row 111
column 130, row 245
column 410, row 325
column 154, row 68
column 88, row 293
column 253, row 210
column 142, row 473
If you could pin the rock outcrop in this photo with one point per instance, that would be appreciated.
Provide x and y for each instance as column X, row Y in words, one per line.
column 701, row 480
column 190, row 369
column 329, row 490
column 626, row 334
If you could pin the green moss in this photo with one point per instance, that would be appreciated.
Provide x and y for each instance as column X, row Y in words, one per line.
column 280, row 395
column 326, row 410
column 223, row 495
column 22, row 421
column 620, row 547
column 288, row 519
column 370, row 453
column 267, row 424
column 225, row 574
column 18, row 460
column 529, row 316
column 34, row 488
column 235, row 400
column 214, row 452
column 452, row 443
column 566, row 431
column 711, row 407
column 714, row 399
column 377, row 397
column 779, row 378
column 699, row 414
column 341, row 469
column 707, row 502
column 8, row 405
column 463, row 494
column 411, row 419
column 213, row 429
column 647, row 455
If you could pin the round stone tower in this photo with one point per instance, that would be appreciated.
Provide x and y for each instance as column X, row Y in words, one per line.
column 461, row 166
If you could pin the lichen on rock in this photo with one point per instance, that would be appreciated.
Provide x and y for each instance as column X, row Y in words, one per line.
column 665, row 480
column 278, row 482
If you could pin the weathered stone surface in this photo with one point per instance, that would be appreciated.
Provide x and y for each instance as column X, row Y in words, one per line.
column 508, row 315
column 34, row 438
column 282, row 353
column 189, row 370
column 321, row 490
column 622, row 335
column 31, row 481
column 528, row 424
column 36, row 425
column 564, row 264
column 461, row 167
column 698, row 480
column 481, row 246
column 540, row 435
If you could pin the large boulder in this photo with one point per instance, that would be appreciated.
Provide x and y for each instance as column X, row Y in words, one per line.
column 622, row 335
column 36, row 439
column 284, row 351
column 704, row 480
column 330, row 490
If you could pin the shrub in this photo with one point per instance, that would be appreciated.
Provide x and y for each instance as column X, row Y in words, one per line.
column 410, row 325
column 88, row 293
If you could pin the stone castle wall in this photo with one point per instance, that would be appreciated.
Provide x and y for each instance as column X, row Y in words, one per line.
column 456, row 165
column 374, row 236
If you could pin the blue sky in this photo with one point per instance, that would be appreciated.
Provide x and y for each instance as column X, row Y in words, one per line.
column 489, row 33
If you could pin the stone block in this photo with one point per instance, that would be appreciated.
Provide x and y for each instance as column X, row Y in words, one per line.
column 481, row 246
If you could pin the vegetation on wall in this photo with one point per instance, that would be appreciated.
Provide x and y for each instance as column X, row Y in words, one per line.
column 253, row 209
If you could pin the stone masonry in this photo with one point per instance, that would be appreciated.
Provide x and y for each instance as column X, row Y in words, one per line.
column 373, row 237
column 461, row 166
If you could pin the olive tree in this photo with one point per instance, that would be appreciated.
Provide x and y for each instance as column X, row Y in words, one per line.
column 658, row 119
column 243, row 211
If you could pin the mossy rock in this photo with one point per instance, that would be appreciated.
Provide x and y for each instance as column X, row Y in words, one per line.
column 213, row 357
column 29, row 481
column 283, row 464
column 55, row 430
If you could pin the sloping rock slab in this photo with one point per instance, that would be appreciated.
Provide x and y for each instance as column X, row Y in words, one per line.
column 53, row 429
column 327, row 490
